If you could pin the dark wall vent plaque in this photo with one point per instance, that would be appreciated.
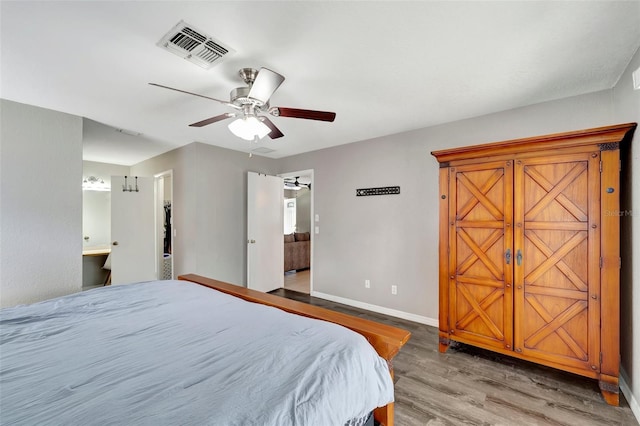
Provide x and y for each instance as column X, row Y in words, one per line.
column 386, row 190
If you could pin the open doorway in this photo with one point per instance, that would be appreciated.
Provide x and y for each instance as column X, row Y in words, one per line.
column 164, row 225
column 298, row 231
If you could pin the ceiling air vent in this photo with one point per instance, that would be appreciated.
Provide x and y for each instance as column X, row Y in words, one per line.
column 193, row 45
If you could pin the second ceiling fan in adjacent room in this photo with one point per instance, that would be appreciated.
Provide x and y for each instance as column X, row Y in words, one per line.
column 290, row 183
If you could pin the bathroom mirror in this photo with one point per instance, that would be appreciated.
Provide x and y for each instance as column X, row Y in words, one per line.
column 96, row 219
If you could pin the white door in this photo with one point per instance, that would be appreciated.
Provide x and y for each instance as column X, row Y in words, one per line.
column 132, row 230
column 265, row 238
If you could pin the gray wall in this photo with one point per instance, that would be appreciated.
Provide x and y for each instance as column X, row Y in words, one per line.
column 183, row 210
column 41, row 199
column 393, row 239
column 209, row 209
column 626, row 104
column 303, row 210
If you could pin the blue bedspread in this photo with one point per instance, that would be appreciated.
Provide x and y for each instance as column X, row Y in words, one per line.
column 176, row 353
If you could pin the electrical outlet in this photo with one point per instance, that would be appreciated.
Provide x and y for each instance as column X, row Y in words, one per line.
column 394, row 289
column 367, row 284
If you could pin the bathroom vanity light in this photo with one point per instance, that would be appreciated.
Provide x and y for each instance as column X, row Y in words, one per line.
column 93, row 183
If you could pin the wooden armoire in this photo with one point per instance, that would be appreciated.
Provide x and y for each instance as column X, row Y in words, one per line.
column 530, row 250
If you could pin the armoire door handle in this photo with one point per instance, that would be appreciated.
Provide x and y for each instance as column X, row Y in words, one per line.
column 507, row 256
column 519, row 257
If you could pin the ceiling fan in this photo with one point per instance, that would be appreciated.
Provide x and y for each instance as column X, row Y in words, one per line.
column 251, row 102
column 291, row 184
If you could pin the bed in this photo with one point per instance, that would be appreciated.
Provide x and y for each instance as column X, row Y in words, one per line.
column 192, row 351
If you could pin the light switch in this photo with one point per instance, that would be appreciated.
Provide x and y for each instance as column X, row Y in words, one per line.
column 317, row 229
column 317, row 218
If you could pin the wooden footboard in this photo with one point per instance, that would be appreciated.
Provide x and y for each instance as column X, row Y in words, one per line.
column 386, row 340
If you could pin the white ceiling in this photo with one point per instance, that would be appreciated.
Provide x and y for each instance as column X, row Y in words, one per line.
column 383, row 67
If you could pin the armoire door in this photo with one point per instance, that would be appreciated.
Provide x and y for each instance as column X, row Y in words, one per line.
column 557, row 255
column 480, row 259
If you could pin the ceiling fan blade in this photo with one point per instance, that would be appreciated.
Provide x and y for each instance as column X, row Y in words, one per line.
column 212, row 120
column 265, row 84
column 303, row 113
column 196, row 94
column 275, row 132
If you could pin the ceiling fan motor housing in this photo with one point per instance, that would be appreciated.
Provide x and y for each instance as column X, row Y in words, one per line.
column 240, row 96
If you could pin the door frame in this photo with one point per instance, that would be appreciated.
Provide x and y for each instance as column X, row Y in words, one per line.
column 158, row 219
column 308, row 173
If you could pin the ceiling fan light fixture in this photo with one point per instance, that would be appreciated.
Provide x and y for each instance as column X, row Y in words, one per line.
column 248, row 128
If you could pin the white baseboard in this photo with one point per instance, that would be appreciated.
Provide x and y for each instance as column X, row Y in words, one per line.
column 631, row 399
column 379, row 309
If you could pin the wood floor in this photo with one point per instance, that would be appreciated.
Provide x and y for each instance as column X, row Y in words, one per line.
column 297, row 280
column 471, row 386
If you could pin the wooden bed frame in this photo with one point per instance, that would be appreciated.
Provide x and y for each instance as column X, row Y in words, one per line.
column 386, row 340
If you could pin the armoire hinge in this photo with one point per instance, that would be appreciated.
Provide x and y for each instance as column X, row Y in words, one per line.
column 600, row 358
column 600, row 166
column 600, row 263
